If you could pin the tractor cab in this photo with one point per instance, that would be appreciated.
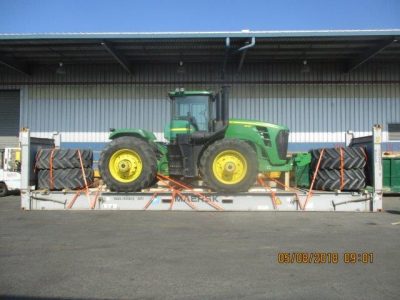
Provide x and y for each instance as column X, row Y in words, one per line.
column 191, row 111
column 200, row 113
column 197, row 119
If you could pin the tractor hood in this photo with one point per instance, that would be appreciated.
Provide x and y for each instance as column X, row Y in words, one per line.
column 247, row 122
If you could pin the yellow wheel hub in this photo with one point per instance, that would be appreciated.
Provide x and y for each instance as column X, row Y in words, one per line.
column 229, row 167
column 125, row 165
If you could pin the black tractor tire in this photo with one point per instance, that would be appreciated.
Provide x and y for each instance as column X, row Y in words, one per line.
column 147, row 156
column 64, row 179
column 154, row 182
column 353, row 158
column 330, row 180
column 212, row 151
column 64, row 158
column 3, row 189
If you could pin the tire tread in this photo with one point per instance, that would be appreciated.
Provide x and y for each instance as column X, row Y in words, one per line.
column 330, row 180
column 64, row 158
column 353, row 158
column 65, row 178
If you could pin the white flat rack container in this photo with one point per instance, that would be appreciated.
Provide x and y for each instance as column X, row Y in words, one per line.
column 256, row 199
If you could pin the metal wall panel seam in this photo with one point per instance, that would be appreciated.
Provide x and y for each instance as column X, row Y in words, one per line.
column 269, row 102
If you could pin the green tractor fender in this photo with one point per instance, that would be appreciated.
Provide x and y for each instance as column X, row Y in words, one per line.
column 246, row 133
column 148, row 136
column 139, row 133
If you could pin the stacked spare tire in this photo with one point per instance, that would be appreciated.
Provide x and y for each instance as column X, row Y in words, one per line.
column 339, row 168
column 60, row 169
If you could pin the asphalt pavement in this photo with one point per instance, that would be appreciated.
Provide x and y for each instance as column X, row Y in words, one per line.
column 198, row 255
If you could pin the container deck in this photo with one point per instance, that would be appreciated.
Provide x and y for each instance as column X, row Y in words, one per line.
column 257, row 199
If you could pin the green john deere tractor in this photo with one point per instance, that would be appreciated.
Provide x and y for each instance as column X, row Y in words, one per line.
column 227, row 154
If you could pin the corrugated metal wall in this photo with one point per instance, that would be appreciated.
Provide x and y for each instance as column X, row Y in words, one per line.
column 317, row 106
column 85, row 113
column 9, row 118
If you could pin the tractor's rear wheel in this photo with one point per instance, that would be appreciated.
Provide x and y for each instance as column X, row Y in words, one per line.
column 128, row 164
column 229, row 165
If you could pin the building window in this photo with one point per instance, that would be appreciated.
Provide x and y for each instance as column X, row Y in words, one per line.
column 394, row 131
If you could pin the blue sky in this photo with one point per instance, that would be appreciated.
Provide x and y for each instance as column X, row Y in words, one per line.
column 24, row 16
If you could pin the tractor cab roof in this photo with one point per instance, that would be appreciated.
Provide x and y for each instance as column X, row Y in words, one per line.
column 182, row 93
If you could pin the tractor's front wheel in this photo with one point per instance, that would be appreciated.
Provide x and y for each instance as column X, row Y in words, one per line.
column 128, row 164
column 229, row 165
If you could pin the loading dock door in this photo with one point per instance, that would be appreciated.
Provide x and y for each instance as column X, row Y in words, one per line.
column 9, row 118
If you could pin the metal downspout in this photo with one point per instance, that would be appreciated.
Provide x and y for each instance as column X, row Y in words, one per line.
column 244, row 51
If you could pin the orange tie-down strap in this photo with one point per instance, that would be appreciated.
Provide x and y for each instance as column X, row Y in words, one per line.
column 310, row 193
column 82, row 168
column 51, row 179
column 365, row 154
column 51, row 169
column 289, row 188
column 92, row 203
column 341, row 169
column 70, row 204
column 202, row 197
column 95, row 198
column 174, row 193
column 342, row 165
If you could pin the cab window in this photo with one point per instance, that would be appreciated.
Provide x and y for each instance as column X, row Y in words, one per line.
column 193, row 107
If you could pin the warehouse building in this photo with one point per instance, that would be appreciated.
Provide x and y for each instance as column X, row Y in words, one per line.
column 318, row 83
